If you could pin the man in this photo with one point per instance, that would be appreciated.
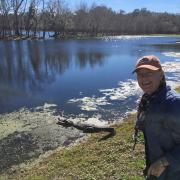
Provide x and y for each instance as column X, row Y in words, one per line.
column 158, row 118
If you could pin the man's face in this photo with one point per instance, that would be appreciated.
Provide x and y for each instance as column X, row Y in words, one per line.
column 149, row 80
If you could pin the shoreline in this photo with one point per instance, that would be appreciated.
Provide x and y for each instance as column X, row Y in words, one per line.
column 80, row 37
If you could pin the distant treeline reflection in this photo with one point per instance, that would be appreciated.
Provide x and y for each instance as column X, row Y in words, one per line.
column 26, row 65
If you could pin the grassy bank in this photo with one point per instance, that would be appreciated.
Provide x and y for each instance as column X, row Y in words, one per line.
column 178, row 89
column 170, row 35
column 92, row 159
column 80, row 36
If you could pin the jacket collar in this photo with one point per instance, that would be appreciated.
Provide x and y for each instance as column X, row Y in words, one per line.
column 160, row 94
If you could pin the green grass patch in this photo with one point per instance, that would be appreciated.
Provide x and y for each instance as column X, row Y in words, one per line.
column 93, row 159
column 178, row 89
column 168, row 35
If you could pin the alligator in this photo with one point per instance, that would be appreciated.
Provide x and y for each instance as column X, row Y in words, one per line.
column 87, row 128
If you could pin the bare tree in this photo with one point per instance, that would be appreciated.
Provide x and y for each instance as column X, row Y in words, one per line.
column 43, row 17
column 102, row 19
column 60, row 16
column 16, row 5
column 5, row 8
column 30, row 16
column 81, row 18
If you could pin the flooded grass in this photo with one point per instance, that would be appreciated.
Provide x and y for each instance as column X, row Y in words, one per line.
column 8, row 127
column 27, row 134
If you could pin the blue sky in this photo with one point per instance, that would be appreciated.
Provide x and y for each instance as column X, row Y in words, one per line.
column 171, row 6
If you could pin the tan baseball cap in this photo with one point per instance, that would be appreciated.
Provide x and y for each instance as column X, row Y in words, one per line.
column 148, row 62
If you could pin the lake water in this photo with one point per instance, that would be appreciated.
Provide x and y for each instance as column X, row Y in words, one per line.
column 83, row 78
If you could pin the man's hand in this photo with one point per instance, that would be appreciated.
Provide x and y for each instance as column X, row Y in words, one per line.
column 158, row 167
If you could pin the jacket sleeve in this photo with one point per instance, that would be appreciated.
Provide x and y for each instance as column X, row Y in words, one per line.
column 173, row 116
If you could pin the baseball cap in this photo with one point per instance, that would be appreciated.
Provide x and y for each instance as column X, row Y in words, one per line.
column 148, row 62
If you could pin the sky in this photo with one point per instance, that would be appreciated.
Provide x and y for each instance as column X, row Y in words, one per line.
column 171, row 6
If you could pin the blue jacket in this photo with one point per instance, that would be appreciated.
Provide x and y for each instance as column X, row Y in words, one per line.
column 162, row 131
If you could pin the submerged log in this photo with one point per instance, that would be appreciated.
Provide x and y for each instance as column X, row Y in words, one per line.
column 86, row 128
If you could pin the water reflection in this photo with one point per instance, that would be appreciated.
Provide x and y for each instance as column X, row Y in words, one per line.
column 92, row 58
column 26, row 66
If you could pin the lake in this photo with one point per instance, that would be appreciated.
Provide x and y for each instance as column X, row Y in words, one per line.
column 83, row 78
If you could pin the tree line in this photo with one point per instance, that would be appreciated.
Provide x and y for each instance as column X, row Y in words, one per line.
column 36, row 18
